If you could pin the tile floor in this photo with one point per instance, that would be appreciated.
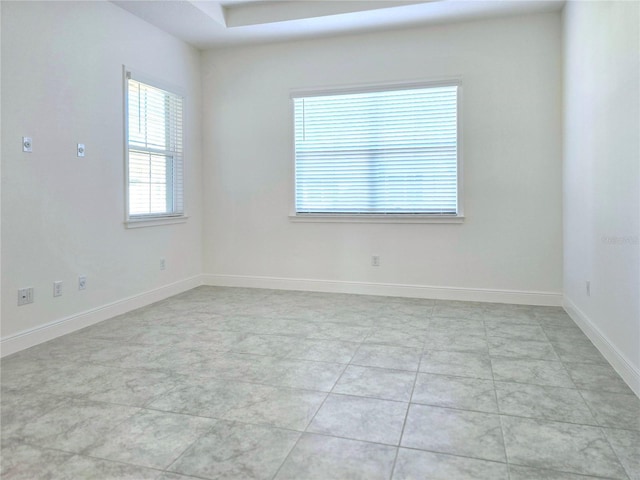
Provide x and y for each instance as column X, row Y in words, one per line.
column 221, row 383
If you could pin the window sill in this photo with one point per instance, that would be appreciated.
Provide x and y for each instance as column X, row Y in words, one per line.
column 366, row 218
column 154, row 221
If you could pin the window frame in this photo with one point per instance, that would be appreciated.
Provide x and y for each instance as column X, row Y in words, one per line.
column 459, row 217
column 151, row 220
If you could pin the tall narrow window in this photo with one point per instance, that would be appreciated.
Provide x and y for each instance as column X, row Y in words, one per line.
column 154, row 151
column 389, row 151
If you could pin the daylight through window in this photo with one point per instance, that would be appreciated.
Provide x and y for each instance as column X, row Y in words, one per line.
column 155, row 156
column 377, row 152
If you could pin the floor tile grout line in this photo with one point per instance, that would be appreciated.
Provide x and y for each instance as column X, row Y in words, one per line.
column 603, row 433
column 300, row 435
column 560, row 358
column 448, row 454
column 233, row 379
column 317, row 434
column 504, row 442
column 409, row 403
column 433, row 405
column 406, row 414
column 229, row 420
column 82, row 399
column 312, row 418
column 401, row 447
column 624, row 468
column 495, row 392
column 48, row 411
column 335, row 383
column 570, row 472
column 181, row 454
column 85, row 397
column 390, row 445
column 548, row 420
column 338, row 379
column 94, row 457
column 580, row 393
column 345, row 366
column 331, row 392
column 404, row 422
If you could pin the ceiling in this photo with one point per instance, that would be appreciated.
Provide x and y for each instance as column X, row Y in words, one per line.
column 214, row 23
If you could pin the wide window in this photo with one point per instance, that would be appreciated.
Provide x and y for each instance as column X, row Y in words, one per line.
column 154, row 151
column 390, row 151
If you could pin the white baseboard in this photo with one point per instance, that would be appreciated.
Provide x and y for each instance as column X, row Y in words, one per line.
column 387, row 289
column 43, row 333
column 629, row 373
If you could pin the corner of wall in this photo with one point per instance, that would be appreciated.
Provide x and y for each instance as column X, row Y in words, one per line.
column 43, row 333
column 625, row 368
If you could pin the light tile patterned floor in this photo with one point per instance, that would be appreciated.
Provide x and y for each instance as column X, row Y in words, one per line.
column 221, row 383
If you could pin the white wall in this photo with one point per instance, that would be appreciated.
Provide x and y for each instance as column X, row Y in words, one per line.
column 602, row 176
column 512, row 236
column 62, row 215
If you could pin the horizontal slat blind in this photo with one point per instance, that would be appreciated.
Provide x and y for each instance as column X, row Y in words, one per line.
column 155, row 159
column 383, row 152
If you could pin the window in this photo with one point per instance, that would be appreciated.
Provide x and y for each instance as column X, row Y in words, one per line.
column 383, row 152
column 154, row 151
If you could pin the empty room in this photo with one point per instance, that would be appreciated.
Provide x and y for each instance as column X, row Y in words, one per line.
column 320, row 239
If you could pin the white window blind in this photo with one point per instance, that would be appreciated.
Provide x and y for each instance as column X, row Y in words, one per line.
column 380, row 152
column 155, row 153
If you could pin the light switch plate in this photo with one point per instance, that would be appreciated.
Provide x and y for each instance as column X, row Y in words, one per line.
column 81, row 149
column 27, row 144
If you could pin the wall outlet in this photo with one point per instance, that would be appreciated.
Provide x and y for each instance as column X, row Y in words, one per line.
column 81, row 149
column 163, row 264
column 375, row 260
column 82, row 282
column 588, row 288
column 25, row 295
column 57, row 289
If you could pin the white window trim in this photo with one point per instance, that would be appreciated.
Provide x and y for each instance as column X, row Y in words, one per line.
column 373, row 218
column 155, row 221
column 150, row 220
column 378, row 218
